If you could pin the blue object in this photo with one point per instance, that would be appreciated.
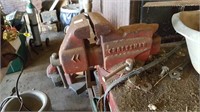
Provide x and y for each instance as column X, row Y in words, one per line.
column 67, row 13
column 66, row 18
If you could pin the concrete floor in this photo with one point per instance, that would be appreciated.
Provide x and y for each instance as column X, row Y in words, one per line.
column 34, row 77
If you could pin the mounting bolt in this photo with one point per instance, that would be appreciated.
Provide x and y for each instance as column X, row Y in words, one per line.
column 129, row 63
column 54, row 56
column 164, row 70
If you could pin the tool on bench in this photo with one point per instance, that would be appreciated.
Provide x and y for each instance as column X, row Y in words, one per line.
column 92, row 42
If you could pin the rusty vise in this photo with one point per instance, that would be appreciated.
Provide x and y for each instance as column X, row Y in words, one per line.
column 91, row 41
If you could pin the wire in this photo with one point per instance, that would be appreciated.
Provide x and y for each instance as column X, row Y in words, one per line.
column 7, row 98
column 17, row 82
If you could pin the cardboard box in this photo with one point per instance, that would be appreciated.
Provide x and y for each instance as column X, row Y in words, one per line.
column 49, row 16
column 49, row 27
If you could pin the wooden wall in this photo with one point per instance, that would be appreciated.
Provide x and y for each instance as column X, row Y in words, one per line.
column 118, row 12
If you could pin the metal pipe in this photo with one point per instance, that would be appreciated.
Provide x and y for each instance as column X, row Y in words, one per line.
column 61, row 73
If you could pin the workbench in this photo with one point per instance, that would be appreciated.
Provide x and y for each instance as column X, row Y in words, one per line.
column 168, row 95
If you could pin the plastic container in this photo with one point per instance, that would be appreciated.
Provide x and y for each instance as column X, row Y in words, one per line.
column 67, row 13
column 33, row 100
column 187, row 24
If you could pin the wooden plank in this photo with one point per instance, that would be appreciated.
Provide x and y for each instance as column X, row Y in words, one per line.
column 96, row 6
column 49, row 16
column 96, row 91
column 54, row 5
column 117, row 11
column 173, row 3
column 134, row 12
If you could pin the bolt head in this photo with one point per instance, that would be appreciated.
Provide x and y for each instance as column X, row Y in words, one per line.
column 165, row 68
column 54, row 56
column 129, row 62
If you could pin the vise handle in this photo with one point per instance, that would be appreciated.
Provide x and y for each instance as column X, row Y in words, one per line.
column 128, row 65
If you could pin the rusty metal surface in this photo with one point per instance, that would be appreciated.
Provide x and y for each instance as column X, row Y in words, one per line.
column 110, row 49
column 112, row 46
column 101, row 25
column 95, row 55
column 134, row 41
column 155, row 48
column 111, row 100
column 72, row 51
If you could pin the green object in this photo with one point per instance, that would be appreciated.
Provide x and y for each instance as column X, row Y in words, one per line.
column 30, row 5
column 17, row 64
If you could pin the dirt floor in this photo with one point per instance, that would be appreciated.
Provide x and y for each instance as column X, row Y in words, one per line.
column 168, row 95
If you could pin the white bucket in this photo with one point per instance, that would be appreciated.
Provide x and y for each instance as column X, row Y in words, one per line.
column 33, row 100
column 187, row 24
column 70, row 8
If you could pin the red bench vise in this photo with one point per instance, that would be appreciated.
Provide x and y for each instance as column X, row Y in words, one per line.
column 91, row 41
